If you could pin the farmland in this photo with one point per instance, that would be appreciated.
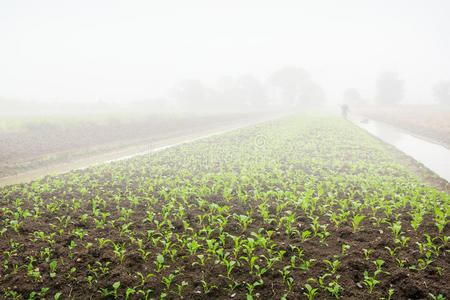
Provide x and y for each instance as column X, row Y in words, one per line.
column 303, row 207
column 28, row 142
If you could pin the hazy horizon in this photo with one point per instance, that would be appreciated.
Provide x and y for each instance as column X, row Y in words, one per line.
column 119, row 51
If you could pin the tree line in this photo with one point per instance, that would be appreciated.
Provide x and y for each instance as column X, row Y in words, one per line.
column 390, row 91
column 291, row 87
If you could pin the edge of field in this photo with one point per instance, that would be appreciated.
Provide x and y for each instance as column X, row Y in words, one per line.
column 417, row 168
column 115, row 151
column 413, row 120
column 118, row 151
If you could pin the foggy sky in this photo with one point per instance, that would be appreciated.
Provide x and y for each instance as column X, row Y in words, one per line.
column 88, row 50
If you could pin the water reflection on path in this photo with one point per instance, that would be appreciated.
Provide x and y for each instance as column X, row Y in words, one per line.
column 433, row 156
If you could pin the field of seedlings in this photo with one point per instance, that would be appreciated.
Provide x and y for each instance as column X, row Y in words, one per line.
column 303, row 207
column 30, row 142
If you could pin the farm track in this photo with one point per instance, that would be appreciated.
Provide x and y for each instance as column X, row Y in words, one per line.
column 273, row 210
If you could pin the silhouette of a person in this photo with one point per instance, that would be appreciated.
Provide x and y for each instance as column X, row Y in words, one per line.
column 344, row 110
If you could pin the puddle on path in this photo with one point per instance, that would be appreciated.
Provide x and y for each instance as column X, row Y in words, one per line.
column 435, row 157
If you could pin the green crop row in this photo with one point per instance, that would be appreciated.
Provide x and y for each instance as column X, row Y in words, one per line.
column 284, row 209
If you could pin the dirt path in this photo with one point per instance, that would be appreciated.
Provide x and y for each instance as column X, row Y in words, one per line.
column 129, row 151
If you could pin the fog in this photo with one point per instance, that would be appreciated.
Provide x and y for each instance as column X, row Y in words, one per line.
column 142, row 140
column 133, row 51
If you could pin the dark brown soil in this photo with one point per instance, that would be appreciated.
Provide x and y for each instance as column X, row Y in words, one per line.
column 408, row 284
column 63, row 196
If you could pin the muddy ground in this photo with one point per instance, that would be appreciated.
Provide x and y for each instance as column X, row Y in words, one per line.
column 408, row 284
column 57, row 196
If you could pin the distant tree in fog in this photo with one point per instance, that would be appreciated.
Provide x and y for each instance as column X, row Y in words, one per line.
column 389, row 89
column 290, row 81
column 245, row 91
column 252, row 91
column 226, row 92
column 441, row 92
column 311, row 94
column 192, row 94
column 296, row 87
column 352, row 97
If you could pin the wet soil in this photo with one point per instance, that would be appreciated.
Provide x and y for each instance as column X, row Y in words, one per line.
column 74, row 266
column 407, row 284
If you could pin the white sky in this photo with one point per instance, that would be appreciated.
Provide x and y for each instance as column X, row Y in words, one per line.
column 87, row 49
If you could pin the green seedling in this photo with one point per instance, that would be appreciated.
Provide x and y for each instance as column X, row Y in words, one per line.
column 251, row 288
column 180, row 287
column 355, row 222
column 53, row 268
column 310, row 292
column 366, row 253
column 371, row 281
column 333, row 265
column 207, row 289
column 160, row 263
